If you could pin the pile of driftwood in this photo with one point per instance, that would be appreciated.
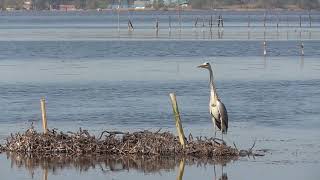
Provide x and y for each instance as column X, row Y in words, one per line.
column 115, row 143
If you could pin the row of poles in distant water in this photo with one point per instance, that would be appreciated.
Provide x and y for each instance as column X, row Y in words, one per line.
column 220, row 25
column 300, row 36
column 219, row 20
column 196, row 24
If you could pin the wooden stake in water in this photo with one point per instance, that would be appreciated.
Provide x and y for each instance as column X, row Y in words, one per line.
column 44, row 115
column 177, row 119
column 302, row 48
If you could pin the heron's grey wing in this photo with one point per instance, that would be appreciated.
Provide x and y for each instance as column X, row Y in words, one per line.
column 223, row 113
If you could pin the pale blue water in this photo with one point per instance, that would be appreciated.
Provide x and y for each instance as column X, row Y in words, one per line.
column 93, row 79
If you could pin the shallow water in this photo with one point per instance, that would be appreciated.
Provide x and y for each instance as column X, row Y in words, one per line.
column 100, row 84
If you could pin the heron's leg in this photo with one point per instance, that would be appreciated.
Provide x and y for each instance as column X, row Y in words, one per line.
column 221, row 135
column 215, row 131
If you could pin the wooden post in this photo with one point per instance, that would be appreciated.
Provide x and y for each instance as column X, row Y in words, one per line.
column 181, row 169
column 310, row 20
column 44, row 115
column 177, row 119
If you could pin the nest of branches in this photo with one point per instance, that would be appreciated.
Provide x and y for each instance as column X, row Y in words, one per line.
column 144, row 143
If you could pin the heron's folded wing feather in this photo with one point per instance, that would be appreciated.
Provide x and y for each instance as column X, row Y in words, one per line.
column 223, row 113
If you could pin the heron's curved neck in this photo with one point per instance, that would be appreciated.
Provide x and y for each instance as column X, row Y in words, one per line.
column 212, row 85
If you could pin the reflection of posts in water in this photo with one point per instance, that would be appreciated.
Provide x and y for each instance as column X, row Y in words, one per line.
column 249, row 34
column 264, row 48
column 211, row 23
column 220, row 34
column 309, row 34
column 45, row 174
column 277, row 22
column 300, row 21
column 157, row 27
column 264, row 62
column 170, row 24
column 203, row 24
column 302, row 48
column 178, row 68
column 278, row 26
column 264, row 20
column 300, row 34
column 310, row 20
column 301, row 62
column 223, row 176
column 181, row 169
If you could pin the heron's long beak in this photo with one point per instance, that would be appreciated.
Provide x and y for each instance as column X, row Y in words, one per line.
column 202, row 66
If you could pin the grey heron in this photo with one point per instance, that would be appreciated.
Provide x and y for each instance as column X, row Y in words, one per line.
column 217, row 109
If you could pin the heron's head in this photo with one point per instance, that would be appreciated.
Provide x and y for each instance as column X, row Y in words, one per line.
column 205, row 65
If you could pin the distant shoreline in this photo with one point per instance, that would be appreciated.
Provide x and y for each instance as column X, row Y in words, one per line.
column 169, row 10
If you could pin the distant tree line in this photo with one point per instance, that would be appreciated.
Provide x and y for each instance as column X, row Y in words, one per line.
column 210, row 4
column 157, row 4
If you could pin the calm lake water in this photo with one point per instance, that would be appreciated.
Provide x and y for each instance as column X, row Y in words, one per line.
column 97, row 78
